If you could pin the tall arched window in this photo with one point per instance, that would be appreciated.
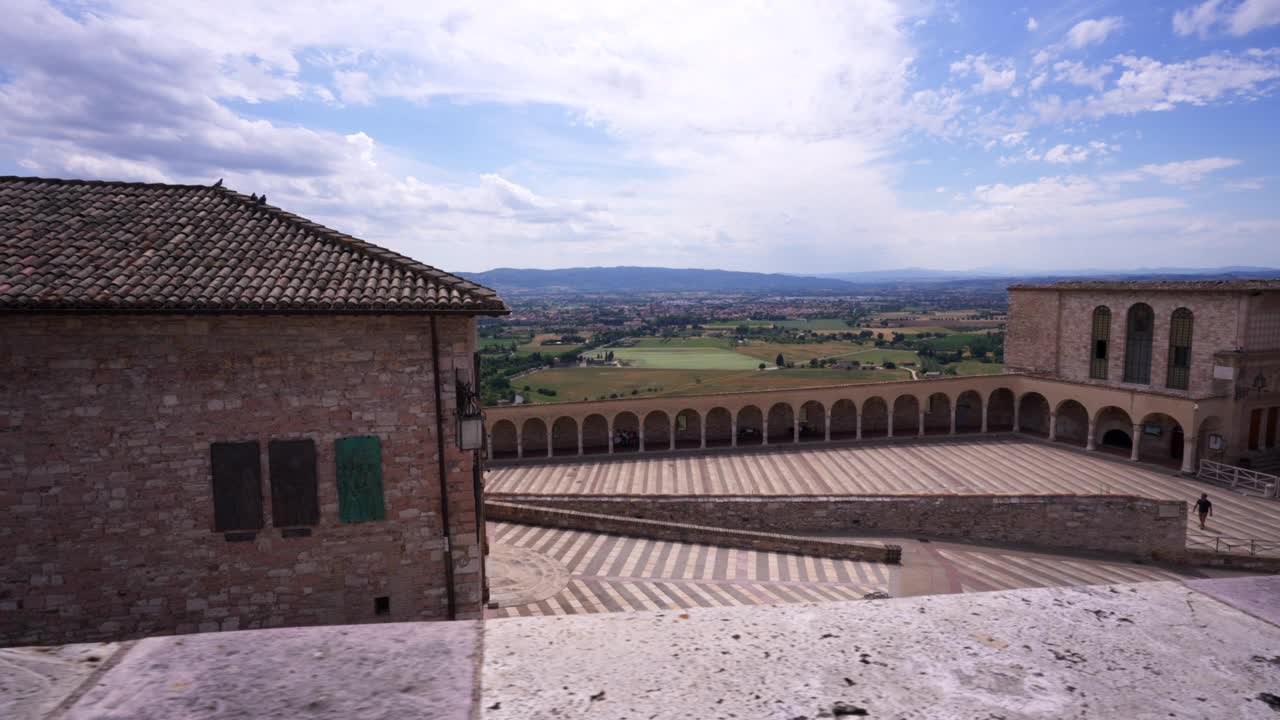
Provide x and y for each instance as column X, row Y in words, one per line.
column 1098, row 350
column 1137, row 344
column 1180, row 328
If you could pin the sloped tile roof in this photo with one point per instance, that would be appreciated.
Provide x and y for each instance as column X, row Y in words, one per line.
column 76, row 244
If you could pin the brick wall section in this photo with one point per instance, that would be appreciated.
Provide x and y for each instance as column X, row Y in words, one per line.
column 687, row 533
column 105, row 480
column 1031, row 344
column 1109, row 523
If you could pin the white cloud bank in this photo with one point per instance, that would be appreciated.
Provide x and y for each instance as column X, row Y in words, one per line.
column 1234, row 18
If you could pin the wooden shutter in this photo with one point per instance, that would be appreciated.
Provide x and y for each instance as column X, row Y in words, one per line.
column 293, row 483
column 237, row 486
column 359, row 462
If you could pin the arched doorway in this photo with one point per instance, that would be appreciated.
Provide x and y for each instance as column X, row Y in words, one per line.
column 533, row 438
column 1033, row 414
column 906, row 416
column 719, row 428
column 688, row 429
column 937, row 415
column 969, row 412
column 813, row 422
column 1114, row 430
column 1000, row 410
column 505, row 444
column 657, row 431
column 595, row 435
column 875, row 418
column 564, row 436
column 626, row 432
column 750, row 426
column 844, row 420
column 1160, row 440
column 1072, row 424
column 781, row 424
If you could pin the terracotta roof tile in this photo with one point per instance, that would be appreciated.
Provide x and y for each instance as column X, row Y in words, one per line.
column 94, row 245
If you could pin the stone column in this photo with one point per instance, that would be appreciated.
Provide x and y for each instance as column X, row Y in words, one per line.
column 489, row 445
column 858, row 425
column 827, row 427
column 889, row 427
column 953, row 419
column 1137, row 440
column 1053, row 426
column 984, row 418
column 733, row 431
column 920, row 427
column 1016, row 426
column 795, row 429
column 608, row 426
column 520, row 444
column 1089, row 443
column 550, row 441
column 671, row 434
column 580, row 439
column 1189, row 446
column 641, row 434
column 702, row 432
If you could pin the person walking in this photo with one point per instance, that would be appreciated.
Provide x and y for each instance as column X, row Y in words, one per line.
column 1204, row 508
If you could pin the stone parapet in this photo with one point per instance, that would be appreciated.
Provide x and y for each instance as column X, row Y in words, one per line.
column 1135, row 526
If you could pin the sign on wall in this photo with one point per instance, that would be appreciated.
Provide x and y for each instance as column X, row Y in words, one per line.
column 359, row 462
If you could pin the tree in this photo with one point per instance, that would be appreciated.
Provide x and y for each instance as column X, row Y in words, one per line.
column 889, row 365
column 762, row 366
column 780, row 361
column 813, row 362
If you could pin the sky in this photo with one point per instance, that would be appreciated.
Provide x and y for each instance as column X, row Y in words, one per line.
column 793, row 136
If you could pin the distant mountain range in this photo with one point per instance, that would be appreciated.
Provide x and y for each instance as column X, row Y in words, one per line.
column 596, row 280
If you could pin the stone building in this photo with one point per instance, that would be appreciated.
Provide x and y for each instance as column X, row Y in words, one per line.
column 215, row 414
column 1216, row 343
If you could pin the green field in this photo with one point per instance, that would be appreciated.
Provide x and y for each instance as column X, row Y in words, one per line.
column 685, row 358
column 575, row 384
column 974, row 367
column 815, row 324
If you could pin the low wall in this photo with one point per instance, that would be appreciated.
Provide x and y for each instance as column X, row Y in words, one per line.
column 1108, row 523
column 683, row 532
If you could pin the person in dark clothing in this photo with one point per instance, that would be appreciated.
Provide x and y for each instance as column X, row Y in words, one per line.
column 1204, row 508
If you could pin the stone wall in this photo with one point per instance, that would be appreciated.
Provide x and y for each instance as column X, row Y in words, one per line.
column 1031, row 344
column 1109, row 523
column 688, row 533
column 106, row 423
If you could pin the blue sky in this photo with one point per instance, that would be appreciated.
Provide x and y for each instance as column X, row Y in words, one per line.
column 796, row 137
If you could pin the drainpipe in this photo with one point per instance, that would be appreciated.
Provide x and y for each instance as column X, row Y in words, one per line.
column 444, row 486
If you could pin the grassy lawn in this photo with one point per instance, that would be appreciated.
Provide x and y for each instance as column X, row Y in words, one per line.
column 574, row 384
column 889, row 331
column 685, row 358
column 815, row 324
column 649, row 343
column 973, row 367
column 800, row 352
column 877, row 356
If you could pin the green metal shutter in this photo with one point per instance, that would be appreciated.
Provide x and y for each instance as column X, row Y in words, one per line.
column 359, row 462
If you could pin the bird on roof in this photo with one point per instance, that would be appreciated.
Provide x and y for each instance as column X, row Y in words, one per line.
column 262, row 200
column 219, row 183
column 254, row 197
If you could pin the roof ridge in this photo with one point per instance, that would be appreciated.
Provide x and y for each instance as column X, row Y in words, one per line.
column 363, row 246
column 116, row 183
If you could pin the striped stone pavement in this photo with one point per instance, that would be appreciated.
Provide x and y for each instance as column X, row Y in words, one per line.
column 1005, row 465
column 608, row 573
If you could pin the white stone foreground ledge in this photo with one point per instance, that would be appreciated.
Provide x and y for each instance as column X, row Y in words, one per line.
column 1153, row 650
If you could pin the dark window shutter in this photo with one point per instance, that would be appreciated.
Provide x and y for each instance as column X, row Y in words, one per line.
column 237, row 486
column 359, row 462
column 293, row 483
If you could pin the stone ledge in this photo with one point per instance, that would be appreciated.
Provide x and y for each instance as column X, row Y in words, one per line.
column 684, row 532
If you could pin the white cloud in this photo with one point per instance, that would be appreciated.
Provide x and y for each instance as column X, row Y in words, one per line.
column 993, row 73
column 1078, row 73
column 1091, row 32
column 1237, row 19
column 1187, row 172
column 1032, row 25
column 1066, row 154
column 1246, row 184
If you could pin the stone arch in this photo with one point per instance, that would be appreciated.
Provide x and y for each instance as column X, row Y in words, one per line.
column 1160, row 439
column 1000, row 410
column 969, row 412
column 719, row 427
column 906, row 416
column 875, row 418
column 1209, row 427
column 750, row 425
column 533, row 438
column 937, row 414
column 688, row 429
column 626, row 432
column 657, row 431
column 1113, row 430
column 782, row 418
column 1071, row 425
column 595, row 434
column 1033, row 414
column 564, row 436
column 813, row 422
column 844, row 420
column 504, row 441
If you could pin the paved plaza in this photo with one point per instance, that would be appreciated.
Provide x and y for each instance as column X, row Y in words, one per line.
column 1005, row 465
column 568, row 572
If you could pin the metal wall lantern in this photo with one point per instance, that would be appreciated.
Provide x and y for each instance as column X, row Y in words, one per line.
column 470, row 417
